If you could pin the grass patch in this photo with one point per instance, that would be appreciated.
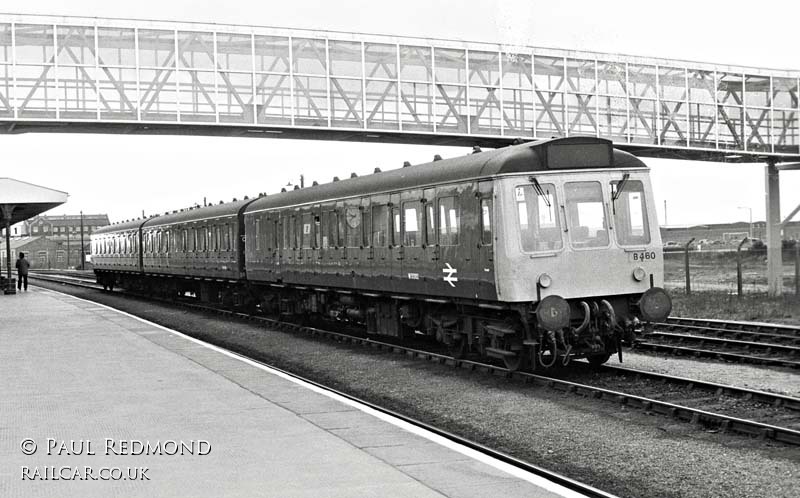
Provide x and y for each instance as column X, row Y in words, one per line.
column 723, row 305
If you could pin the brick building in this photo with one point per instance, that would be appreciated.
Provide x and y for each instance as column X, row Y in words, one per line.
column 53, row 242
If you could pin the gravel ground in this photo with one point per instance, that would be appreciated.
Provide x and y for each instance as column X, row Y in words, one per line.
column 781, row 381
column 622, row 451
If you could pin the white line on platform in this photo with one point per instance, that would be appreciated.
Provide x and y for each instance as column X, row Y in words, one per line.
column 469, row 452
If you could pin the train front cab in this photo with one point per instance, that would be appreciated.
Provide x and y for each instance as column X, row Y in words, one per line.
column 583, row 247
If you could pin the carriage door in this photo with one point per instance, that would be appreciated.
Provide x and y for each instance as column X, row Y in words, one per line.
column 396, row 248
column 413, row 262
column 485, row 242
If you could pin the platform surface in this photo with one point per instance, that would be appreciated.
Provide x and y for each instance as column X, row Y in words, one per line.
column 79, row 378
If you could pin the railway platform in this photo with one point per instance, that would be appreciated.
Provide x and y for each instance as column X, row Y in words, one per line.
column 95, row 402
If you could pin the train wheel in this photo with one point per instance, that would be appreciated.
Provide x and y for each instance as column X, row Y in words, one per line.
column 514, row 363
column 458, row 348
column 596, row 360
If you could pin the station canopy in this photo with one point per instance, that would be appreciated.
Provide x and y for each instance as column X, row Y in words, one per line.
column 26, row 200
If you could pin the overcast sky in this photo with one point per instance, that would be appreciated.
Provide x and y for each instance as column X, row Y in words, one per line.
column 124, row 175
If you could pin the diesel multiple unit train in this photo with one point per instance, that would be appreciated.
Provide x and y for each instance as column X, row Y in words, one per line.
column 534, row 254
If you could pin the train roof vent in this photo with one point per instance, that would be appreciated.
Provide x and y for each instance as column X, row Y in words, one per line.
column 283, row 189
column 314, row 183
column 377, row 170
column 353, row 175
column 336, row 178
column 234, row 199
column 437, row 157
column 476, row 149
column 246, row 198
column 406, row 164
column 296, row 187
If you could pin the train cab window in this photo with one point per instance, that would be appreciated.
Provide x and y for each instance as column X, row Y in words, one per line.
column 486, row 222
column 630, row 213
column 380, row 226
column 448, row 221
column 586, row 216
column 412, row 223
column 539, row 226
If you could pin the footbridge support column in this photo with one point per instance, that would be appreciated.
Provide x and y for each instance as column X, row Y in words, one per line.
column 774, row 258
column 775, row 225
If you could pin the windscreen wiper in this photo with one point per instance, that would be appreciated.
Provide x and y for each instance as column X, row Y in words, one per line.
column 620, row 186
column 540, row 191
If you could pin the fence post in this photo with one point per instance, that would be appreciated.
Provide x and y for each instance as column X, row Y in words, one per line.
column 739, row 268
column 797, row 269
column 686, row 266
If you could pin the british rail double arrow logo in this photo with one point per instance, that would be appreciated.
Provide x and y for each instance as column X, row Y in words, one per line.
column 449, row 278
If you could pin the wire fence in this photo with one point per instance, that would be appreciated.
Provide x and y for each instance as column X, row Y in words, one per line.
column 728, row 270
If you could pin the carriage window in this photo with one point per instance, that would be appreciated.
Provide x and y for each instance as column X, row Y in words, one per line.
column 317, row 232
column 341, row 230
column 630, row 214
column 430, row 223
column 306, row 227
column 258, row 234
column 166, row 241
column 395, row 226
column 486, row 222
column 448, row 221
column 331, row 236
column 380, row 226
column 412, row 223
column 537, row 214
column 585, row 214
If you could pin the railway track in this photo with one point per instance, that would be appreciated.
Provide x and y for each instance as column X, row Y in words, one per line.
column 758, row 343
column 737, row 410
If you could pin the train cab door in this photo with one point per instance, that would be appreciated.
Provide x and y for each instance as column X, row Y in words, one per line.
column 485, row 242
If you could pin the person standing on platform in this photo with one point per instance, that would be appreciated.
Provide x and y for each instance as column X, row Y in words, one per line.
column 22, row 271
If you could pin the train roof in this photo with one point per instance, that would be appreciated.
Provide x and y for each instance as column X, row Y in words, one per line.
column 183, row 216
column 546, row 155
column 121, row 226
column 199, row 213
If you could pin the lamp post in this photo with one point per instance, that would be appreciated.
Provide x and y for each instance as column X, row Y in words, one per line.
column 83, row 250
column 750, row 210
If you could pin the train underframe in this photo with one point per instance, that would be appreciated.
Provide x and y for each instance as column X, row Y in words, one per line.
column 522, row 335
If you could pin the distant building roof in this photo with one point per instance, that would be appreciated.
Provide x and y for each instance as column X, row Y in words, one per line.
column 18, row 242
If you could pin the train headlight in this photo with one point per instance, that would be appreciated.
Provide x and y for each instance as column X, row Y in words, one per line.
column 544, row 280
column 639, row 274
column 553, row 313
column 655, row 304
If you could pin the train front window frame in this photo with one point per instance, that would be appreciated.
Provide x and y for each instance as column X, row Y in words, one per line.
column 587, row 219
column 537, row 218
column 631, row 222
